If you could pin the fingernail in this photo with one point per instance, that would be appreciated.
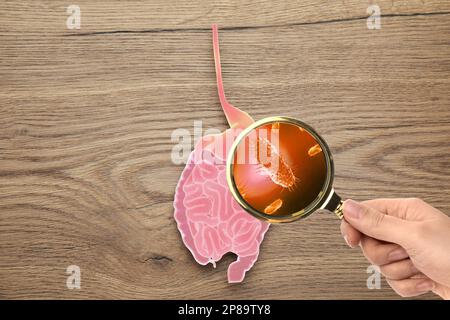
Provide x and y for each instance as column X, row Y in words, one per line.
column 352, row 209
column 398, row 254
column 425, row 285
column 348, row 242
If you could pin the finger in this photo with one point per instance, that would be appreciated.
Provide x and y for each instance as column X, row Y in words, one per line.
column 376, row 224
column 399, row 270
column 411, row 287
column 392, row 207
column 405, row 208
column 351, row 236
column 380, row 253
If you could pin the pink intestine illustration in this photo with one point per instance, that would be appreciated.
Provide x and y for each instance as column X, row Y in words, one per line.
column 210, row 221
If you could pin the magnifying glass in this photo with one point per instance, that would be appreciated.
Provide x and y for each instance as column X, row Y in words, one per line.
column 280, row 170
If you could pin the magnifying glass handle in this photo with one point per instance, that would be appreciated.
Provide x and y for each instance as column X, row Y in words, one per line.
column 336, row 205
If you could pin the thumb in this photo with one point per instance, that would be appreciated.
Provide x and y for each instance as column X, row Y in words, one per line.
column 376, row 224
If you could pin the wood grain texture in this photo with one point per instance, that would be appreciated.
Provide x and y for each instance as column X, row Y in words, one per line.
column 86, row 176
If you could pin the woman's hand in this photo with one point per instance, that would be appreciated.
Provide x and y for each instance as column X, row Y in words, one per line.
column 407, row 238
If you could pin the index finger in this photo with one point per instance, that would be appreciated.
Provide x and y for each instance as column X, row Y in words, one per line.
column 391, row 207
column 350, row 234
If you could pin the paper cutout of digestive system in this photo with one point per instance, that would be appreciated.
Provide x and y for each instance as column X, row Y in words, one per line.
column 209, row 219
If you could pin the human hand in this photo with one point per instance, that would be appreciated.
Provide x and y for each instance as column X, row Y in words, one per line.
column 407, row 238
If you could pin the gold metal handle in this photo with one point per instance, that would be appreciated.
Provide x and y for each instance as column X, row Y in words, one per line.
column 339, row 211
column 335, row 204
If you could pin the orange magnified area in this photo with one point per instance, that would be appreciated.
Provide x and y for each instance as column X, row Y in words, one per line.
column 279, row 168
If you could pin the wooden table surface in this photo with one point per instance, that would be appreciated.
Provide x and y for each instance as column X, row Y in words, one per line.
column 86, row 176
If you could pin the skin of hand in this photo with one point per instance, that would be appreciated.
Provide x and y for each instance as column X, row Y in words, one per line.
column 407, row 238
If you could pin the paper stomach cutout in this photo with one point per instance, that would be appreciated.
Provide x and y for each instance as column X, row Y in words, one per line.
column 210, row 221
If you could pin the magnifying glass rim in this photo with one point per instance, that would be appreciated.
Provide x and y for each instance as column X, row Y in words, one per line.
column 318, row 203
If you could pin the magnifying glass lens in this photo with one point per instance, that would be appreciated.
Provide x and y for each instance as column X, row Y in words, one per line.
column 279, row 169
